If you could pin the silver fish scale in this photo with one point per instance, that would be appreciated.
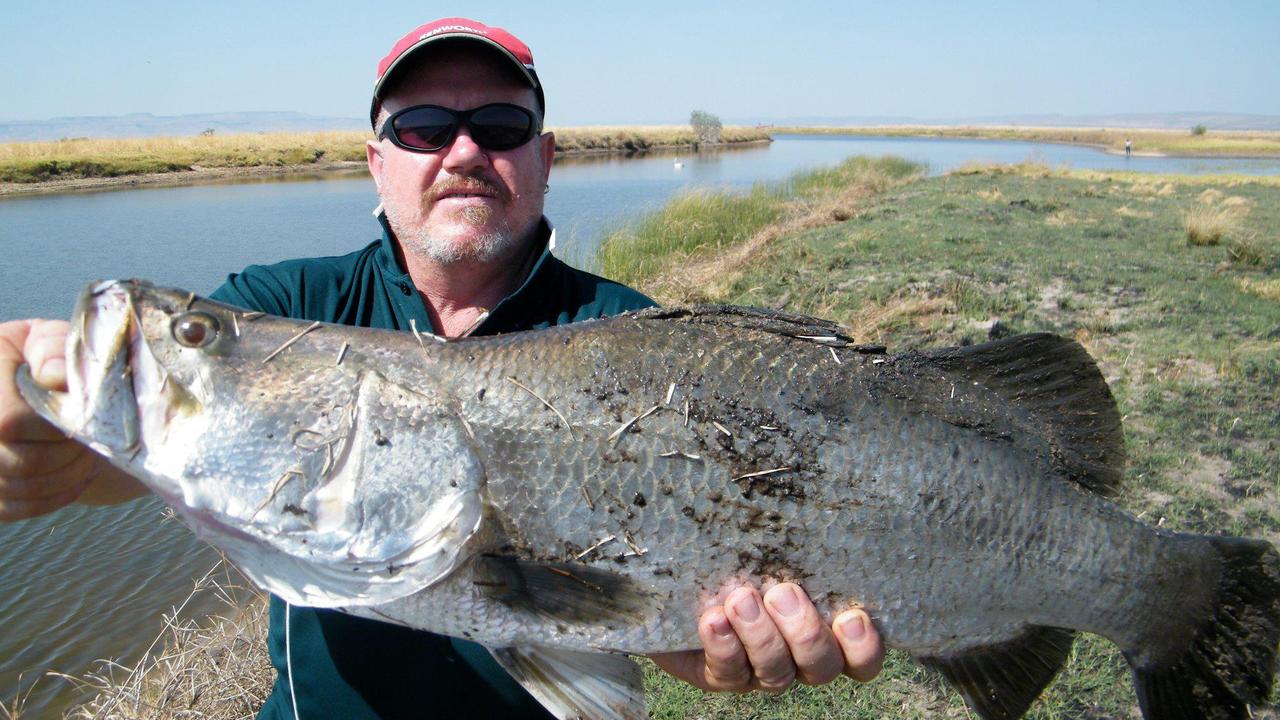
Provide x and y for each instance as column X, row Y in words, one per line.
column 950, row 540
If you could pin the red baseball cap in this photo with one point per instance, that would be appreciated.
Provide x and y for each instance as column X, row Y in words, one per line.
column 503, row 42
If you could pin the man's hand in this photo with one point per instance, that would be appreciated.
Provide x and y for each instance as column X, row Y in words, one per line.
column 41, row 469
column 750, row 644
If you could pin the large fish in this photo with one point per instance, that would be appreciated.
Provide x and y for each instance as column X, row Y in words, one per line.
column 569, row 495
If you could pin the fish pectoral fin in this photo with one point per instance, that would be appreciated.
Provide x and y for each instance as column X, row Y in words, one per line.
column 568, row 592
column 578, row 685
column 999, row 682
column 402, row 492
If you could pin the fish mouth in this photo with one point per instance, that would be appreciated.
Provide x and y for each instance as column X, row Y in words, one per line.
column 100, row 369
column 100, row 405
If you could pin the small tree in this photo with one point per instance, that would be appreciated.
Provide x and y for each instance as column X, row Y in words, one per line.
column 1199, row 130
column 706, row 127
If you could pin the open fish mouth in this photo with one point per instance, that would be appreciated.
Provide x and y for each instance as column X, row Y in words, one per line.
column 100, row 405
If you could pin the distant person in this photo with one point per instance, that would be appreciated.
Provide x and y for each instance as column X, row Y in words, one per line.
column 461, row 166
column 1128, row 147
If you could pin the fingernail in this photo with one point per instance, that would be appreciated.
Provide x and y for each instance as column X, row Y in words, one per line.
column 747, row 607
column 50, row 372
column 785, row 601
column 720, row 625
column 852, row 628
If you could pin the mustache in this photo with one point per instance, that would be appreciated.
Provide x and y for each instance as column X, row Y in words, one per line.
column 469, row 185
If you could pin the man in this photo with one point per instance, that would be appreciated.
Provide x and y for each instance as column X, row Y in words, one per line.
column 461, row 167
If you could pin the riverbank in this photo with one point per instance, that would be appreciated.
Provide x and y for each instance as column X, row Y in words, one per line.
column 102, row 164
column 1148, row 143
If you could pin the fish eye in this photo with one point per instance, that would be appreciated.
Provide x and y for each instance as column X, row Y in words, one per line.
column 195, row 329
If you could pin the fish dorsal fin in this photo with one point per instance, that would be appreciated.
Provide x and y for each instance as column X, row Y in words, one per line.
column 999, row 682
column 578, row 685
column 1054, row 387
column 801, row 327
column 567, row 592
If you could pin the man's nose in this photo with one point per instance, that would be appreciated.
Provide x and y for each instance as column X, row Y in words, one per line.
column 463, row 154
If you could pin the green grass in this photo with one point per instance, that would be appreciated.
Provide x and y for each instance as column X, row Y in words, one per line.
column 1186, row 335
column 699, row 224
column 696, row 222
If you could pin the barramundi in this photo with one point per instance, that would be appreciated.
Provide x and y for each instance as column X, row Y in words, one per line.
column 569, row 496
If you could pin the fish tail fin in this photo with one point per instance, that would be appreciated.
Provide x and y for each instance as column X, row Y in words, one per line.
column 1231, row 660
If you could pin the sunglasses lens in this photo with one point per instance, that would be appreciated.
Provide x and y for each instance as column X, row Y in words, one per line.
column 424, row 128
column 501, row 127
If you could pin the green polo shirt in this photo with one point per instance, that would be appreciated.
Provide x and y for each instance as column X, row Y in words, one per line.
column 341, row 666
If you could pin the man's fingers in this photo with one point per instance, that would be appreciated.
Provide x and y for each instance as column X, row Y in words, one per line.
column 11, row 510
column 31, row 488
column 34, row 342
column 814, row 650
column 28, row 459
column 45, row 351
column 726, row 668
column 27, row 497
column 766, row 649
column 860, row 643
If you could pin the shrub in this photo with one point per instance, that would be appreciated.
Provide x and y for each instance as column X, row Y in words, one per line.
column 1207, row 224
column 706, row 127
column 1247, row 251
column 1199, row 129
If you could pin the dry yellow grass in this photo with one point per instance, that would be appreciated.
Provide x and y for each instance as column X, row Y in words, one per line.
column 1163, row 184
column 1243, row 143
column 211, row 145
column 644, row 137
column 35, row 162
column 216, row 669
column 1211, row 218
column 1268, row 289
column 1208, row 224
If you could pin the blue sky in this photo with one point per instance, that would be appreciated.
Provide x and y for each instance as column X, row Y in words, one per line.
column 655, row 61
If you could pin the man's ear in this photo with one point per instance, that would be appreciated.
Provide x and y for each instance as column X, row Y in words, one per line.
column 373, row 153
column 548, row 151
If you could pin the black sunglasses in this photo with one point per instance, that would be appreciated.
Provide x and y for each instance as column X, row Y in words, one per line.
column 427, row 128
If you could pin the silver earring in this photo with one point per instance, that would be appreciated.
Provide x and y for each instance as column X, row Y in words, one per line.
column 546, row 188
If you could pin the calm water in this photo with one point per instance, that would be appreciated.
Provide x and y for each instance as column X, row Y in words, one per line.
column 89, row 583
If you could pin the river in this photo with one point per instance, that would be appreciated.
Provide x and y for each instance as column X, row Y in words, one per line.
column 84, row 583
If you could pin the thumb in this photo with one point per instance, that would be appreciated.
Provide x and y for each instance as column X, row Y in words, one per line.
column 46, row 351
column 863, row 650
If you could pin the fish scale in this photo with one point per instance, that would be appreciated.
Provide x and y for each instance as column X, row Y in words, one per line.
column 553, row 497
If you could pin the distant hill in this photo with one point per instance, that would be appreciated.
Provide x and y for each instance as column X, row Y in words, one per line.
column 1159, row 121
column 148, row 125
